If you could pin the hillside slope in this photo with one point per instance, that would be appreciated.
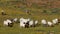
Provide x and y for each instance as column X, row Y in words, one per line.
column 39, row 3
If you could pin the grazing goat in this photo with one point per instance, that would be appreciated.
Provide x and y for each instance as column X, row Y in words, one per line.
column 24, row 22
column 55, row 21
column 44, row 23
column 50, row 23
column 8, row 23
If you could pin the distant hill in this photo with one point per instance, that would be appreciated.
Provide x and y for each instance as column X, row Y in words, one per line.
column 39, row 3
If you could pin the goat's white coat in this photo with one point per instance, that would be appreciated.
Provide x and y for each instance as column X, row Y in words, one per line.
column 31, row 23
column 22, row 24
column 5, row 23
column 43, row 21
column 50, row 23
column 15, row 20
column 22, row 21
column 9, row 21
column 55, row 21
column 36, row 22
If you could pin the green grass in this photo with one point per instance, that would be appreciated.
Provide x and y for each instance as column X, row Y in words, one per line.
column 36, row 14
column 32, row 30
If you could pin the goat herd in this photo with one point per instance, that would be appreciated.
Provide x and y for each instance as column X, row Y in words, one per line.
column 26, row 23
column 23, row 22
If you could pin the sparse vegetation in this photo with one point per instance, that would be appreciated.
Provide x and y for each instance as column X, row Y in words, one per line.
column 15, row 8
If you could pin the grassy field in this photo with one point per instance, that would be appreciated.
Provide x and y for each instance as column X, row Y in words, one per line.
column 36, row 14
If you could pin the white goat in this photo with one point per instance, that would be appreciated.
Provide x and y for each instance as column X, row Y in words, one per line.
column 8, row 23
column 43, row 22
column 36, row 22
column 24, row 22
column 50, row 23
column 55, row 21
